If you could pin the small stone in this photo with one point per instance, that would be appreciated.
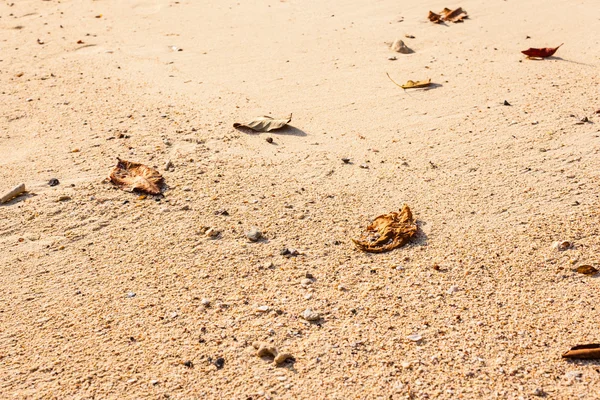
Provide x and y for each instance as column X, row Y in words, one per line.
column 573, row 374
column 409, row 36
column 130, row 294
column 186, row 189
column 341, row 288
column 345, row 160
column 53, row 182
column 364, row 166
column 584, row 119
column 282, row 357
column 164, row 209
column 212, row 233
column 399, row 47
column 188, row 364
column 205, row 302
column 392, row 58
column 305, row 282
column 29, row 99
column 308, row 296
column 168, row 165
column 254, row 235
column 300, row 216
column 506, row 103
column 453, row 289
column 75, row 151
column 539, row 392
column 269, row 139
column 64, row 198
column 562, row 245
column 219, row 362
column 534, row 122
column 154, row 382
column 414, row 337
column 406, row 364
column 310, row 315
column 263, row 309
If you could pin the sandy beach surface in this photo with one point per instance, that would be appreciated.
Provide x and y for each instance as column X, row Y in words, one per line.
column 106, row 294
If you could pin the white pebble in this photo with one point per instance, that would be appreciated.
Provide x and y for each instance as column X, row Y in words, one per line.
column 263, row 309
column 414, row 337
column 310, row 315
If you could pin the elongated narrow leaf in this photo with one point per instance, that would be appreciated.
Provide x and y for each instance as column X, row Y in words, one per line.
column 583, row 351
column 411, row 84
column 264, row 124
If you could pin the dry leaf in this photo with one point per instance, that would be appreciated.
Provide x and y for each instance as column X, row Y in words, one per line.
column 136, row 177
column 587, row 270
column 388, row 232
column 264, row 124
column 433, row 17
column 449, row 15
column 411, row 84
column 585, row 351
column 540, row 53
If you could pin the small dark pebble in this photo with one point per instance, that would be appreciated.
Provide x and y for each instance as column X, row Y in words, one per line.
column 346, row 160
column 285, row 251
column 53, row 182
column 269, row 139
column 126, row 202
column 219, row 362
column 222, row 212
column 188, row 364
column 506, row 103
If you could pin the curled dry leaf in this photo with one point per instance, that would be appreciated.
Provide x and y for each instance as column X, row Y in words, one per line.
column 136, row 177
column 411, row 84
column 457, row 15
column 540, row 53
column 388, row 232
column 264, row 124
column 587, row 270
column 583, row 351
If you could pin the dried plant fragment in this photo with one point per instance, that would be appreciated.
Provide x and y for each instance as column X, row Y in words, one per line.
column 587, row 270
column 457, row 15
column 411, row 84
column 265, row 123
column 136, row 177
column 388, row 232
column 448, row 15
column 540, row 53
column 433, row 17
column 584, row 351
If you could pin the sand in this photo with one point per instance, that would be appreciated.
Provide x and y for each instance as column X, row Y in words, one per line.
column 107, row 295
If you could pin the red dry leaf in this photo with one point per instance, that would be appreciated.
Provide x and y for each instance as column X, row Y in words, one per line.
column 584, row 351
column 136, row 177
column 540, row 53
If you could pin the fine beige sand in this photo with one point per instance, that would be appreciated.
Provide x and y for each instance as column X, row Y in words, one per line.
column 107, row 295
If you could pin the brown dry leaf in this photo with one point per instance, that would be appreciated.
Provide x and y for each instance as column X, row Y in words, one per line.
column 457, row 15
column 265, row 123
column 411, row 84
column 433, row 17
column 584, row 351
column 587, row 270
column 136, row 177
column 388, row 232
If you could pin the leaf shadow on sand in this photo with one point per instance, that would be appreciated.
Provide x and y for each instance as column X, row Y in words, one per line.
column 287, row 130
column 555, row 58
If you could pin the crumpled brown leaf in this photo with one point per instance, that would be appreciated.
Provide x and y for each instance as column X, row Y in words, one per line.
column 388, row 232
column 457, row 15
column 264, row 124
column 136, row 177
column 583, row 351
